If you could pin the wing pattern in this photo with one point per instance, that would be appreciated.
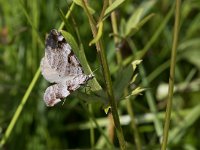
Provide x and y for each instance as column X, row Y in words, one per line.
column 61, row 67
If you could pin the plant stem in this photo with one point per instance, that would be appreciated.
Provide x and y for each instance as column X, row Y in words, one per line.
column 171, row 78
column 97, row 125
column 156, row 34
column 148, row 94
column 107, row 78
column 28, row 91
column 133, row 123
column 19, row 109
column 110, row 94
column 116, row 39
column 92, row 140
column 67, row 15
column 119, row 62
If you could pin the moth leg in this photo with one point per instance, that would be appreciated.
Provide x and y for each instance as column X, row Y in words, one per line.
column 87, row 88
column 72, row 87
column 54, row 93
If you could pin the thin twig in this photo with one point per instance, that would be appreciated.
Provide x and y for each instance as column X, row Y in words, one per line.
column 119, row 62
column 107, row 78
column 171, row 78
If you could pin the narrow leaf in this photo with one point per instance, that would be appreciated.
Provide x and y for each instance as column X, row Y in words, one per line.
column 81, row 55
column 133, row 79
column 65, row 21
column 107, row 108
column 112, row 7
column 139, row 25
column 80, row 3
column 134, row 20
column 136, row 91
column 99, row 34
column 122, row 81
column 70, row 39
column 135, row 63
column 177, row 133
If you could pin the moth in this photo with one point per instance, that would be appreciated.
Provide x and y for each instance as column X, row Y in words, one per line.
column 61, row 67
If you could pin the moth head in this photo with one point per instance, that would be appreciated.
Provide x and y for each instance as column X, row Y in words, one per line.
column 54, row 32
column 58, row 35
column 89, row 77
column 54, row 39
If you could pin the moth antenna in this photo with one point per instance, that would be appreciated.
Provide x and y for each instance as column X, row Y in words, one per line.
column 63, row 102
column 95, row 70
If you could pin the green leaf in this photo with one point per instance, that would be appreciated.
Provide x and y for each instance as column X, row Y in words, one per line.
column 140, row 24
column 99, row 34
column 189, row 44
column 91, row 98
column 192, row 56
column 65, row 21
column 133, row 21
column 95, row 86
column 122, row 27
column 133, row 79
column 112, row 7
column 177, row 133
column 107, row 108
column 147, row 5
column 122, row 81
column 135, row 63
column 80, row 3
column 136, row 91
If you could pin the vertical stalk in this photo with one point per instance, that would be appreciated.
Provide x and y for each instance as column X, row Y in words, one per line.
column 107, row 78
column 116, row 39
column 97, row 125
column 119, row 61
column 28, row 91
column 133, row 123
column 67, row 15
column 19, row 109
column 171, row 78
column 92, row 140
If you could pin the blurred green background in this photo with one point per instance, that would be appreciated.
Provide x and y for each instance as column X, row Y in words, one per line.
column 23, row 27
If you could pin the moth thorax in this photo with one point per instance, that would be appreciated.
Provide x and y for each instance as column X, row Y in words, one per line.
column 90, row 76
column 60, row 38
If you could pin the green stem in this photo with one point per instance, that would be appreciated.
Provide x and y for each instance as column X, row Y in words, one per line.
column 119, row 62
column 171, row 78
column 67, row 15
column 19, row 109
column 28, row 91
column 97, row 125
column 148, row 94
column 93, row 83
column 116, row 39
column 92, row 140
column 133, row 124
column 107, row 78
column 156, row 34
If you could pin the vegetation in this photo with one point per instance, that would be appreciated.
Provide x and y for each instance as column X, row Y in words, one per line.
column 128, row 45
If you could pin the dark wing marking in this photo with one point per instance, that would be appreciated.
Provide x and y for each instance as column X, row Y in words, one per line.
column 61, row 66
column 60, row 56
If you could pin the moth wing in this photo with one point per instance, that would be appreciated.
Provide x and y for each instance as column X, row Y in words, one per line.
column 50, row 74
column 54, row 93
column 61, row 66
column 60, row 56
